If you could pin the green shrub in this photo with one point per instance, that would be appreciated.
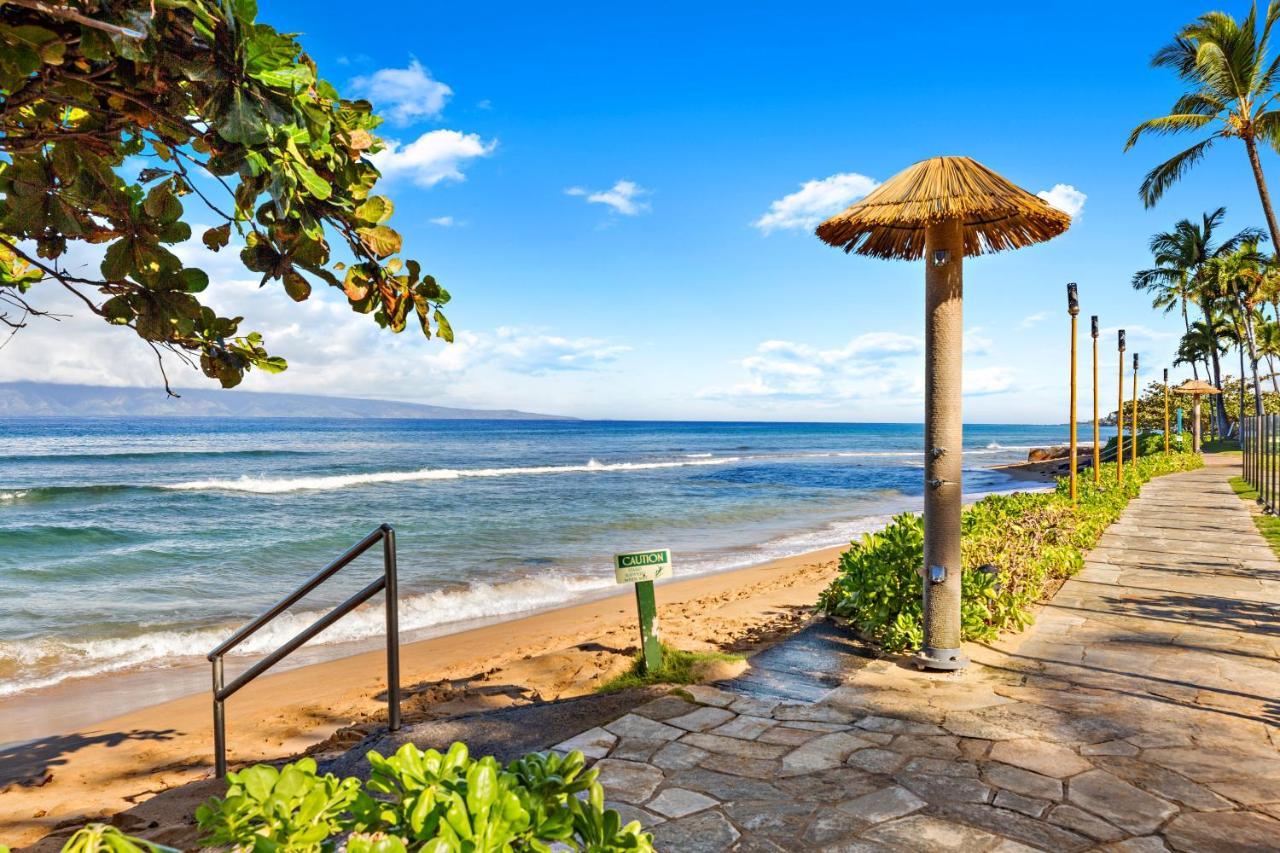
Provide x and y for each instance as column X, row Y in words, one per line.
column 291, row 809
column 101, row 837
column 1151, row 442
column 424, row 802
column 1033, row 539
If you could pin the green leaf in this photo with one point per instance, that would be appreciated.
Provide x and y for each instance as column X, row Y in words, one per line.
column 315, row 184
column 376, row 209
column 240, row 120
column 380, row 240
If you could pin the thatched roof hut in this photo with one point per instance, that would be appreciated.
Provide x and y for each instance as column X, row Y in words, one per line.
column 997, row 215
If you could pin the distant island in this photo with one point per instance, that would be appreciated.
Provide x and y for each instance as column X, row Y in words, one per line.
column 47, row 399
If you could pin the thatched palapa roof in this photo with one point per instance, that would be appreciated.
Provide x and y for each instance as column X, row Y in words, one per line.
column 890, row 221
column 1195, row 387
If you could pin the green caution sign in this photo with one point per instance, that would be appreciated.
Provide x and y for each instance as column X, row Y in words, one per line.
column 643, row 568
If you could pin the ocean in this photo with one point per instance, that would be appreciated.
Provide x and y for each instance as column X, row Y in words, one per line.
column 140, row 544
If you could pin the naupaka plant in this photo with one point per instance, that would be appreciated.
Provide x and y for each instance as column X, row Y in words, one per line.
column 122, row 123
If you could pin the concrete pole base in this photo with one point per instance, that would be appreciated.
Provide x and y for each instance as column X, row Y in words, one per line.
column 943, row 660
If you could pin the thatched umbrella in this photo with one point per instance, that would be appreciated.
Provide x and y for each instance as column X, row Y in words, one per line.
column 1197, row 388
column 943, row 209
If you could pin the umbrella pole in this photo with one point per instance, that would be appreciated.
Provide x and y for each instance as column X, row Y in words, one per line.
column 943, row 433
column 1195, row 423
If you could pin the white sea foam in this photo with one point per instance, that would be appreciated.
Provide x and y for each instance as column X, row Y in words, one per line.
column 270, row 485
column 43, row 663
column 10, row 497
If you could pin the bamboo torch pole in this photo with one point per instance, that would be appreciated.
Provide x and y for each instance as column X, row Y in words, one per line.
column 1120, row 416
column 1097, row 451
column 1133, row 434
column 1166, row 410
column 1073, row 308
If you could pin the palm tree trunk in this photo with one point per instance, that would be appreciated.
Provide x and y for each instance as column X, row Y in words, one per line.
column 1271, row 365
column 1220, row 407
column 1252, row 146
column 1246, row 312
column 1186, row 323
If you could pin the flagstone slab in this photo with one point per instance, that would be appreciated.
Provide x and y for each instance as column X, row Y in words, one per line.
column 821, row 753
column 629, row 781
column 1039, row 756
column 922, row 832
column 885, row 804
column 705, row 832
column 633, row 725
column 1223, row 831
column 702, row 719
column 593, row 743
column 678, row 802
column 1118, row 802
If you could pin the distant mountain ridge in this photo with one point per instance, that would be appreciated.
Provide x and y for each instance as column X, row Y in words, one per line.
column 48, row 399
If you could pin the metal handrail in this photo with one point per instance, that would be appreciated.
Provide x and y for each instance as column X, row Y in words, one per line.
column 221, row 692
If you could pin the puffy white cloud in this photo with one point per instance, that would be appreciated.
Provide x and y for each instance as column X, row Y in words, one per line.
column 404, row 95
column 435, row 156
column 1066, row 198
column 815, row 201
column 1034, row 319
column 877, row 367
column 624, row 197
column 443, row 221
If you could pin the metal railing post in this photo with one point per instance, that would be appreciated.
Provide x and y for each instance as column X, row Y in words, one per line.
column 392, row 594
column 219, row 721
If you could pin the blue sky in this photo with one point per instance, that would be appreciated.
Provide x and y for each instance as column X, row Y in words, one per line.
column 594, row 185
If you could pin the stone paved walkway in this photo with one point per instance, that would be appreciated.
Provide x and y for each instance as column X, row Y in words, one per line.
column 1141, row 712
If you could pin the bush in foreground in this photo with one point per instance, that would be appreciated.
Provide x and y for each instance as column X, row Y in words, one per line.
column 1015, row 549
column 414, row 801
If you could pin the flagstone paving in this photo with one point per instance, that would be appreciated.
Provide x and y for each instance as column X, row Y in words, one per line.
column 1141, row 712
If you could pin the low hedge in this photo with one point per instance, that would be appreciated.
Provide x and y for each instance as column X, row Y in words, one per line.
column 1034, row 539
column 413, row 802
column 1150, row 443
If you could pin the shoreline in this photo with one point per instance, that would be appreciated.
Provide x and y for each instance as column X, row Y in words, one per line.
column 110, row 765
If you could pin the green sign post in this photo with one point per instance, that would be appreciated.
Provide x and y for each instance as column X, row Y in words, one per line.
column 643, row 568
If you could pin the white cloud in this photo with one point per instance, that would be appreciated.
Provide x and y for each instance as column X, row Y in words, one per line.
column 443, row 221
column 1066, row 198
column 435, row 156
column 883, row 368
column 321, row 338
column 1034, row 319
column 975, row 342
column 623, row 197
column 404, row 95
column 815, row 201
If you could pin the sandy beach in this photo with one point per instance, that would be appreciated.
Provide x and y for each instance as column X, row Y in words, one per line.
column 115, row 764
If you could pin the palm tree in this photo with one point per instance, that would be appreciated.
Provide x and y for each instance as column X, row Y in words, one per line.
column 1236, row 279
column 1269, row 348
column 1181, row 255
column 1231, row 91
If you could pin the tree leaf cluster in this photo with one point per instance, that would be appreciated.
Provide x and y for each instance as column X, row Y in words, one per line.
column 123, row 124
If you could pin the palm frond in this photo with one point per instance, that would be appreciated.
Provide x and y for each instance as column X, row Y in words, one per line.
column 1167, row 173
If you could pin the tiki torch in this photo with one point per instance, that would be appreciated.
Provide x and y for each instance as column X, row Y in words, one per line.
column 1120, row 417
column 1097, row 452
column 1073, row 308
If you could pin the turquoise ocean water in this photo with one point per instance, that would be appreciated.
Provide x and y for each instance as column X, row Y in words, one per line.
column 139, row 544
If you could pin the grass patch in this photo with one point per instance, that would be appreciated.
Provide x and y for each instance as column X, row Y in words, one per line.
column 1220, row 445
column 678, row 667
column 1268, row 525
